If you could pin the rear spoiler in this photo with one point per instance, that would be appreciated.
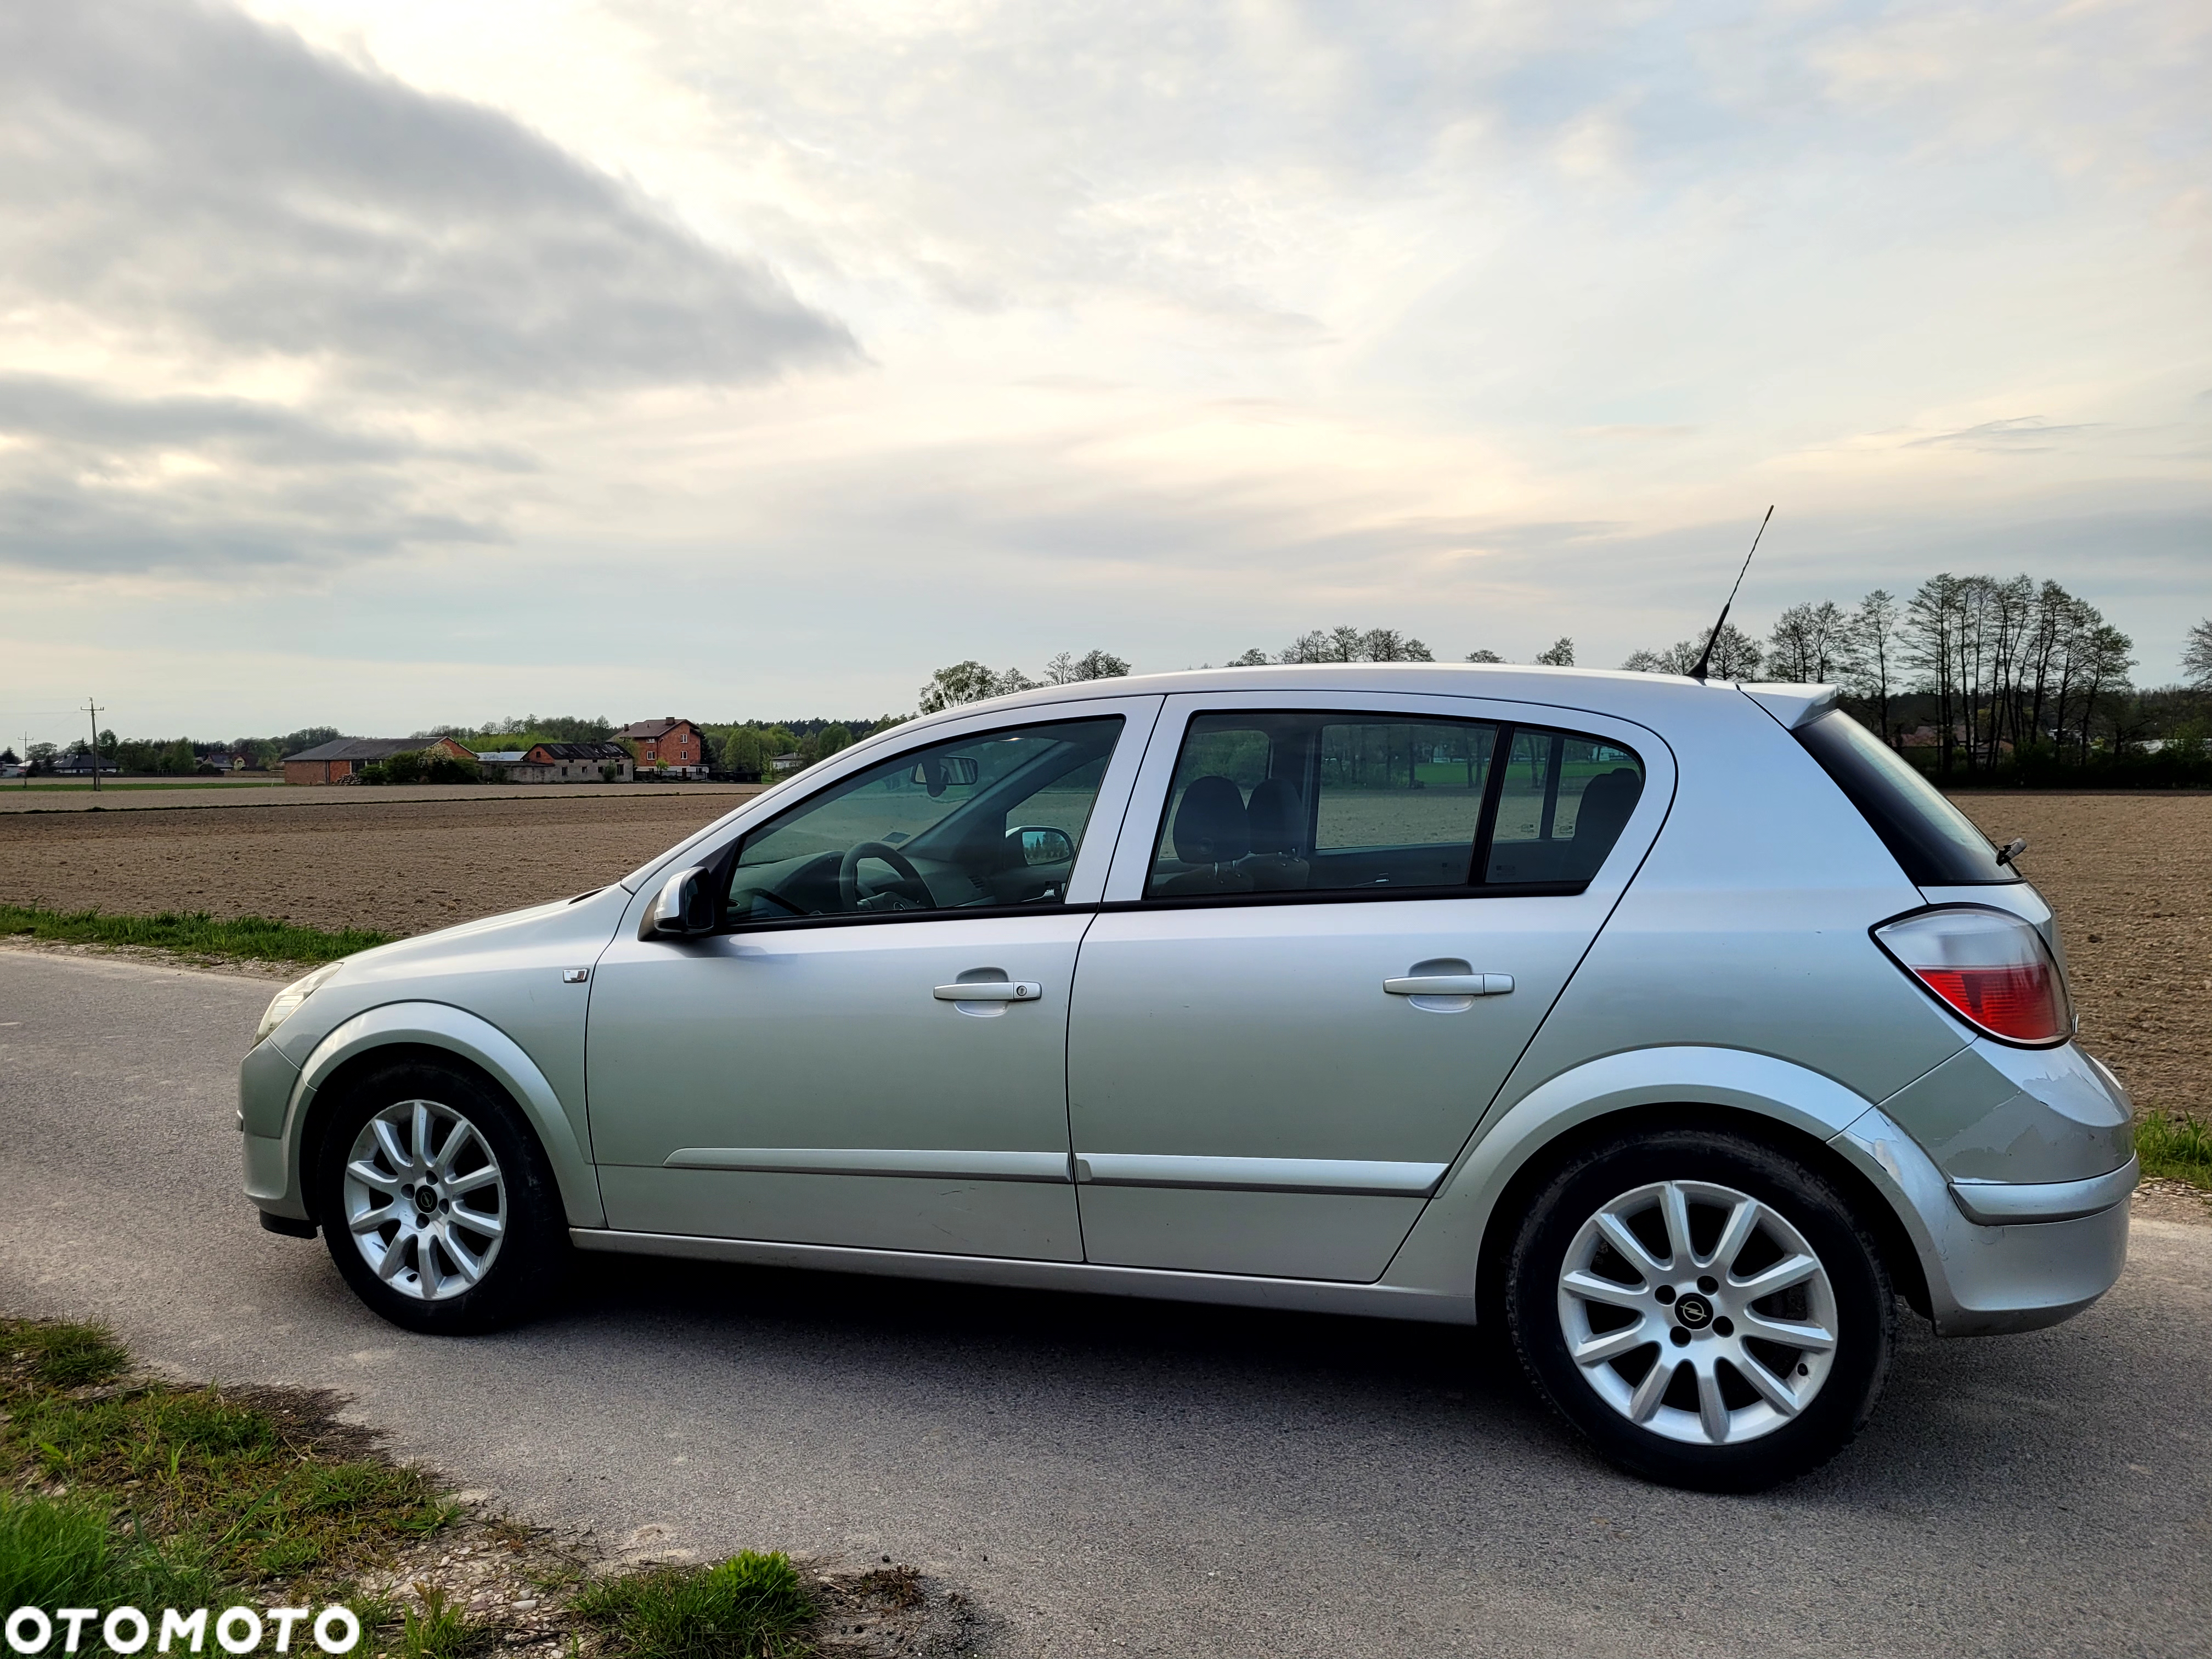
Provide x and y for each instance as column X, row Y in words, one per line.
column 1793, row 705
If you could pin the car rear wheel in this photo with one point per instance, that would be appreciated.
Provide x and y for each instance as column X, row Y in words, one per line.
column 1706, row 1310
column 436, row 1202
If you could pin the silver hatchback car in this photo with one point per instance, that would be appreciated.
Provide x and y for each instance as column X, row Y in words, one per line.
column 1680, row 1028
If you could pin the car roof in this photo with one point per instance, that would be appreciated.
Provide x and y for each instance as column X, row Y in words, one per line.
column 1646, row 698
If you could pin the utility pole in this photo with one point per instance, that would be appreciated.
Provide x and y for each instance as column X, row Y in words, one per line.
column 92, row 710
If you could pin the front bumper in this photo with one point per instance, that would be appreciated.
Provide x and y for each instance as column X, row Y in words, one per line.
column 266, row 1080
column 2038, row 1259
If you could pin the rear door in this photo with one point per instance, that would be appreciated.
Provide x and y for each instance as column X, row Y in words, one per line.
column 1333, row 924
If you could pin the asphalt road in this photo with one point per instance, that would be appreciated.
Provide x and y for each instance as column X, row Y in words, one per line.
column 1108, row 1478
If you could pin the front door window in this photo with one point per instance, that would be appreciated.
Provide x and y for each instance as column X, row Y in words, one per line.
column 994, row 819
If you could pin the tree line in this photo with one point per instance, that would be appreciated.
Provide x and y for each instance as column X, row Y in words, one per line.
column 1987, row 672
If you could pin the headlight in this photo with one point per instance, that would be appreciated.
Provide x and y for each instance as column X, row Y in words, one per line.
column 286, row 1003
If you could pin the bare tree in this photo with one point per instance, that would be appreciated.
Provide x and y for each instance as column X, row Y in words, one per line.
column 1255, row 658
column 1483, row 656
column 1933, row 620
column 2196, row 656
column 1068, row 669
column 1811, row 644
column 1736, row 656
column 1873, row 653
column 1346, row 644
column 1388, row 645
column 1560, row 654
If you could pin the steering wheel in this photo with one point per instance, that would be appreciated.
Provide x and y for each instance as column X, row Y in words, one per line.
column 849, row 872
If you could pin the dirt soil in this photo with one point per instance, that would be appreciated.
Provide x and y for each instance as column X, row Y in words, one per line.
column 406, row 867
column 2130, row 875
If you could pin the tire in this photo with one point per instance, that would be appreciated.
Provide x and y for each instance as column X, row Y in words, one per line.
column 1689, row 1373
column 482, row 1242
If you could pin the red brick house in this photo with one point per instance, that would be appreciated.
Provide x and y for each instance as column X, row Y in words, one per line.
column 677, row 744
column 336, row 762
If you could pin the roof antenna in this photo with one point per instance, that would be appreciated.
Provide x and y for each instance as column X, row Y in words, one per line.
column 1706, row 657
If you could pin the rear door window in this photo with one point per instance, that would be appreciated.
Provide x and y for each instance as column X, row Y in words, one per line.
column 1562, row 802
column 1364, row 802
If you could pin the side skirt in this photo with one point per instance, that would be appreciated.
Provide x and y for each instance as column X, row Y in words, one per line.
column 1290, row 1294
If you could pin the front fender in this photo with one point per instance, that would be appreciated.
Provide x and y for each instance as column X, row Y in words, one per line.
column 1443, row 1251
column 442, row 1026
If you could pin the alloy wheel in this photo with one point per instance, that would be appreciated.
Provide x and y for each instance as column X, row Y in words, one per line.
column 425, row 1201
column 1697, row 1312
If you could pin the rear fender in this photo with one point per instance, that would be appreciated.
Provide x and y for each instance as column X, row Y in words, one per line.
column 1446, row 1247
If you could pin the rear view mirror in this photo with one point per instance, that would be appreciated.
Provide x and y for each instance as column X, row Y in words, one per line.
column 684, row 908
column 1043, row 846
column 936, row 771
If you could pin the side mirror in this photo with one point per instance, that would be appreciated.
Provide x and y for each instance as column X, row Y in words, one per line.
column 684, row 909
column 1043, row 846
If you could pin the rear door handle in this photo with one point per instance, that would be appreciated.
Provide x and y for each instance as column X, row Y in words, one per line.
column 1450, row 985
column 990, row 990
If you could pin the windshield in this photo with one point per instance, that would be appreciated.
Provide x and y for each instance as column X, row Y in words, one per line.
column 1936, row 843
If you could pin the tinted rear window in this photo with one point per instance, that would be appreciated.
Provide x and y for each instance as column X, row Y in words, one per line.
column 1275, row 802
column 1933, row 840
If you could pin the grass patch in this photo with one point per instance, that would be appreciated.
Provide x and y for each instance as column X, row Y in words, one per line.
column 439, row 1630
column 2177, row 1148
column 117, row 1490
column 195, row 933
column 187, row 1492
column 71, row 1554
column 750, row 1605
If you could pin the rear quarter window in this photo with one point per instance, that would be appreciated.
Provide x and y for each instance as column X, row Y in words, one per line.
column 1934, row 843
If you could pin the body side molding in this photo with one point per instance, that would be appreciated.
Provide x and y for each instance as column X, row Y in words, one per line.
column 961, row 1165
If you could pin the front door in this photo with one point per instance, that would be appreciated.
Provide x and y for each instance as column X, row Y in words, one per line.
column 871, row 1051
column 1349, row 923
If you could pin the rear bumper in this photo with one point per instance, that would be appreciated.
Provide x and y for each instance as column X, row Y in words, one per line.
column 2024, row 1256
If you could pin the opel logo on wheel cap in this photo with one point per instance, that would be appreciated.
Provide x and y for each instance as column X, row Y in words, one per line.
column 1694, row 1312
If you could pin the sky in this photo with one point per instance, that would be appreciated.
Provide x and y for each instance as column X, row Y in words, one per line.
column 383, row 365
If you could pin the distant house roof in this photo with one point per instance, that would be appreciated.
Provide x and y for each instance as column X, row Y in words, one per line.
column 361, row 749
column 581, row 751
column 659, row 728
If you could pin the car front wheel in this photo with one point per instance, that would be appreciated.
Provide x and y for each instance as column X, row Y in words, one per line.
column 1706, row 1310
column 436, row 1202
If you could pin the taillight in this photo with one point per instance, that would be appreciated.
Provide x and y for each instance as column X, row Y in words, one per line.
column 1988, row 967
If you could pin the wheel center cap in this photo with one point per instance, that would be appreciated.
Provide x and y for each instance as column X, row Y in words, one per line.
column 1693, row 1312
column 425, row 1199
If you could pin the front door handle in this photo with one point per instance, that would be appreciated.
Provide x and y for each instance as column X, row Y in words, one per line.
column 990, row 990
column 1450, row 985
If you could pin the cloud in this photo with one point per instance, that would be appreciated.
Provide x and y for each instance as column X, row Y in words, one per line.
column 93, row 481
column 2009, row 437
column 182, row 173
